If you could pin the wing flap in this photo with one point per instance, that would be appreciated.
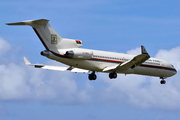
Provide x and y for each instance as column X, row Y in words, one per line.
column 79, row 70
column 49, row 67
column 109, row 68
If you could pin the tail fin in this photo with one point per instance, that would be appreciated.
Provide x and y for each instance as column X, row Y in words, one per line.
column 48, row 36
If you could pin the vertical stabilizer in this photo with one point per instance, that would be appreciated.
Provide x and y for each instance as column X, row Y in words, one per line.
column 48, row 36
column 51, row 40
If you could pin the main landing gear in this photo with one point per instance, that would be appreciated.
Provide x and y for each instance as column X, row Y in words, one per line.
column 92, row 76
column 113, row 75
column 162, row 81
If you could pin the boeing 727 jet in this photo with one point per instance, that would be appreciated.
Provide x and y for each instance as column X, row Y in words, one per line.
column 78, row 59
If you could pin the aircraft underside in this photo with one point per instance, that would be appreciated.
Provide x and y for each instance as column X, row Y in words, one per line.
column 68, row 51
column 98, row 66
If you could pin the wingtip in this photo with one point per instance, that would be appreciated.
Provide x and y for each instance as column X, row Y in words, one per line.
column 143, row 49
column 26, row 61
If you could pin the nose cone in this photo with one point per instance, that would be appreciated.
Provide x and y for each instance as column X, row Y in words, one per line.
column 171, row 72
column 175, row 71
column 172, row 68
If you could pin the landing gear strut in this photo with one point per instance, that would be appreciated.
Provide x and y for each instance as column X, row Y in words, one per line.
column 112, row 75
column 162, row 81
column 92, row 76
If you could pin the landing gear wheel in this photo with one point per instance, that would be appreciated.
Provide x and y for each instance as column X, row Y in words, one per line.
column 92, row 76
column 163, row 82
column 112, row 75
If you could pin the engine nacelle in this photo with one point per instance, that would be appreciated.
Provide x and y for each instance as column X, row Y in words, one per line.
column 79, row 54
column 45, row 53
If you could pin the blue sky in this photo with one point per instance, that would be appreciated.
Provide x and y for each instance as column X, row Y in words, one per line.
column 109, row 25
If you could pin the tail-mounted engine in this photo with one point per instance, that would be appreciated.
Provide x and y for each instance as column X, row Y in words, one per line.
column 79, row 54
column 45, row 53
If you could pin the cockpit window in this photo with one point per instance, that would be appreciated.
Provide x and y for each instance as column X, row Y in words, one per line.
column 172, row 66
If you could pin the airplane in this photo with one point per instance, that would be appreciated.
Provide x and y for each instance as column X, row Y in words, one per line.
column 68, row 51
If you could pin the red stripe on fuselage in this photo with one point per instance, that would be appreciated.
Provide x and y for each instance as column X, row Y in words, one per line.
column 145, row 65
column 105, row 60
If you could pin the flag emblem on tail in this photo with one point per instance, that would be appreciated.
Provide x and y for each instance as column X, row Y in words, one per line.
column 53, row 39
column 78, row 42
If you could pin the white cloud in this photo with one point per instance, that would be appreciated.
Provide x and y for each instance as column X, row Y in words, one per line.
column 146, row 92
column 4, row 46
column 171, row 56
column 135, row 51
column 12, row 83
column 141, row 91
column 20, row 82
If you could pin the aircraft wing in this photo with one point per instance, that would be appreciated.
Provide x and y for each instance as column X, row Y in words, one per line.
column 60, row 68
column 109, row 68
column 136, row 61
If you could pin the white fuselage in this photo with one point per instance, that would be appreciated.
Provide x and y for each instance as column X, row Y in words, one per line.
column 103, row 59
column 68, row 51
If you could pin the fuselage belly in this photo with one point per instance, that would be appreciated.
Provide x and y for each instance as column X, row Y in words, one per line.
column 98, row 65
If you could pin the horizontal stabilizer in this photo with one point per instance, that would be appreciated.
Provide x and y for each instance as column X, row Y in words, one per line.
column 60, row 68
column 42, row 22
column 17, row 23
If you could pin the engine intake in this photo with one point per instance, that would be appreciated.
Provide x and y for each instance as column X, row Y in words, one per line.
column 69, row 53
column 45, row 53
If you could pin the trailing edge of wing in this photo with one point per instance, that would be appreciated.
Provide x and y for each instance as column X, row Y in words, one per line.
column 79, row 70
column 60, row 68
column 109, row 68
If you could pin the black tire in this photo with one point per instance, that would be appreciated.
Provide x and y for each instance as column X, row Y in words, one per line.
column 112, row 75
column 92, row 77
column 163, row 82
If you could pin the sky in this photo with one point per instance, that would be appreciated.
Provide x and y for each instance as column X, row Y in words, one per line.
column 109, row 25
